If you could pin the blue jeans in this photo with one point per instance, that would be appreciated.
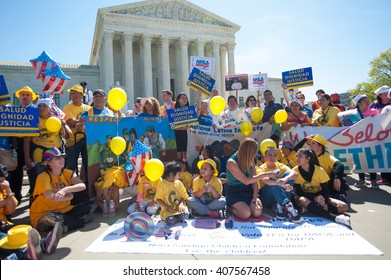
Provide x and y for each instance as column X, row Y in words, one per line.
column 270, row 195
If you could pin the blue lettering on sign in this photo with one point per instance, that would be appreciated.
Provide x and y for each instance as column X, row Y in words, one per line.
column 202, row 63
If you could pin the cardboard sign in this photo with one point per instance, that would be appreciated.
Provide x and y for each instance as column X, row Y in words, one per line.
column 205, row 64
column 198, row 80
column 19, row 121
column 179, row 117
column 258, row 82
column 236, row 82
column 298, row 78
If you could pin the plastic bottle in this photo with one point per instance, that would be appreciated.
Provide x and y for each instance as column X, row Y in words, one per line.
column 105, row 208
column 111, row 208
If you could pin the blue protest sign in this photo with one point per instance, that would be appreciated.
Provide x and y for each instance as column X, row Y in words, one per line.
column 19, row 121
column 298, row 78
column 199, row 80
column 182, row 116
column 4, row 95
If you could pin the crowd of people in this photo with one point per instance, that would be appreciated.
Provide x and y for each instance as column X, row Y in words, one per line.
column 238, row 180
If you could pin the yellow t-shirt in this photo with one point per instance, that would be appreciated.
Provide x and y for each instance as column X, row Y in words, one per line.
column 47, row 181
column 170, row 193
column 327, row 161
column 327, row 117
column 45, row 139
column 215, row 182
column 279, row 166
column 74, row 112
column 147, row 188
column 290, row 160
column 186, row 178
column 320, row 176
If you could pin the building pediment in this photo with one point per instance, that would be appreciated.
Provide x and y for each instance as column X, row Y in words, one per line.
column 178, row 10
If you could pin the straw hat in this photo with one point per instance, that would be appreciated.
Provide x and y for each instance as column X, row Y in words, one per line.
column 26, row 89
column 16, row 237
column 211, row 162
column 77, row 88
column 319, row 139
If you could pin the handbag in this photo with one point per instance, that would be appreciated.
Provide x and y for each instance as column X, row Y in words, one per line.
column 9, row 159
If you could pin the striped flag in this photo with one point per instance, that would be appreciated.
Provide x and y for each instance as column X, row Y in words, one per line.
column 136, row 161
column 54, row 110
column 54, row 80
column 42, row 63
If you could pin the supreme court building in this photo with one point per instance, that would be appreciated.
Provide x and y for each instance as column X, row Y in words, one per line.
column 146, row 46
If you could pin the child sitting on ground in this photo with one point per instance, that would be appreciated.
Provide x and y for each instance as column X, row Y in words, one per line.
column 207, row 190
column 8, row 201
column 146, row 191
column 185, row 176
column 171, row 195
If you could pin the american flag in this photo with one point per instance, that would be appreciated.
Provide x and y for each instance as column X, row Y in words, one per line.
column 42, row 63
column 136, row 160
column 54, row 80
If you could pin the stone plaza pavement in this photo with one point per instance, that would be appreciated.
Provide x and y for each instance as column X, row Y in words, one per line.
column 370, row 216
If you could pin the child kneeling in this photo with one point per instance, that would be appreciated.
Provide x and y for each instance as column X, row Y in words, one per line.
column 171, row 195
column 207, row 190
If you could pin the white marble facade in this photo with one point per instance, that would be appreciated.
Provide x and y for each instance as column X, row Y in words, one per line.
column 146, row 46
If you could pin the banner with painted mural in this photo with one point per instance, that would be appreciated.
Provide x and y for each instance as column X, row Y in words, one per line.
column 258, row 82
column 298, row 78
column 362, row 147
column 200, row 135
column 198, row 80
column 236, row 82
column 182, row 116
column 19, row 121
column 205, row 64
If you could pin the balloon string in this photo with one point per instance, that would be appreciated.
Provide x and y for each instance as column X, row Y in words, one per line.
column 210, row 127
column 117, row 136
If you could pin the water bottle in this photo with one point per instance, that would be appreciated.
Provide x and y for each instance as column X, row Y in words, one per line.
column 111, row 209
column 105, row 208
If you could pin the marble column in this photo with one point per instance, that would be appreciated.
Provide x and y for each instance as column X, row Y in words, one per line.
column 217, row 73
column 223, row 65
column 108, row 64
column 200, row 48
column 165, row 62
column 185, row 65
column 129, row 75
column 231, row 59
column 148, row 82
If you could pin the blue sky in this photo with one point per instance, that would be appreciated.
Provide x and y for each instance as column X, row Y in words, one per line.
column 337, row 39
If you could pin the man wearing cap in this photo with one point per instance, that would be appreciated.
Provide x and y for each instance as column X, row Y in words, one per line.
column 35, row 146
column 99, row 109
column 382, row 99
column 76, row 144
column 87, row 98
column 26, row 96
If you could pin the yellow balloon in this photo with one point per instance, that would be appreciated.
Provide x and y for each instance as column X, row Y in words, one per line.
column 256, row 114
column 154, row 169
column 266, row 144
column 281, row 116
column 118, row 145
column 217, row 105
column 53, row 124
column 246, row 128
column 117, row 98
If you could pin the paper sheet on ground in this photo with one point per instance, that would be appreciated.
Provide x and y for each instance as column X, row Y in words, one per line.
column 314, row 236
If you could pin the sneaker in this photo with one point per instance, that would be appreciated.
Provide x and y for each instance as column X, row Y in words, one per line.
column 280, row 212
column 51, row 241
column 292, row 213
column 343, row 220
column 33, row 250
column 13, row 256
column 360, row 184
column 374, row 184
column 222, row 214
